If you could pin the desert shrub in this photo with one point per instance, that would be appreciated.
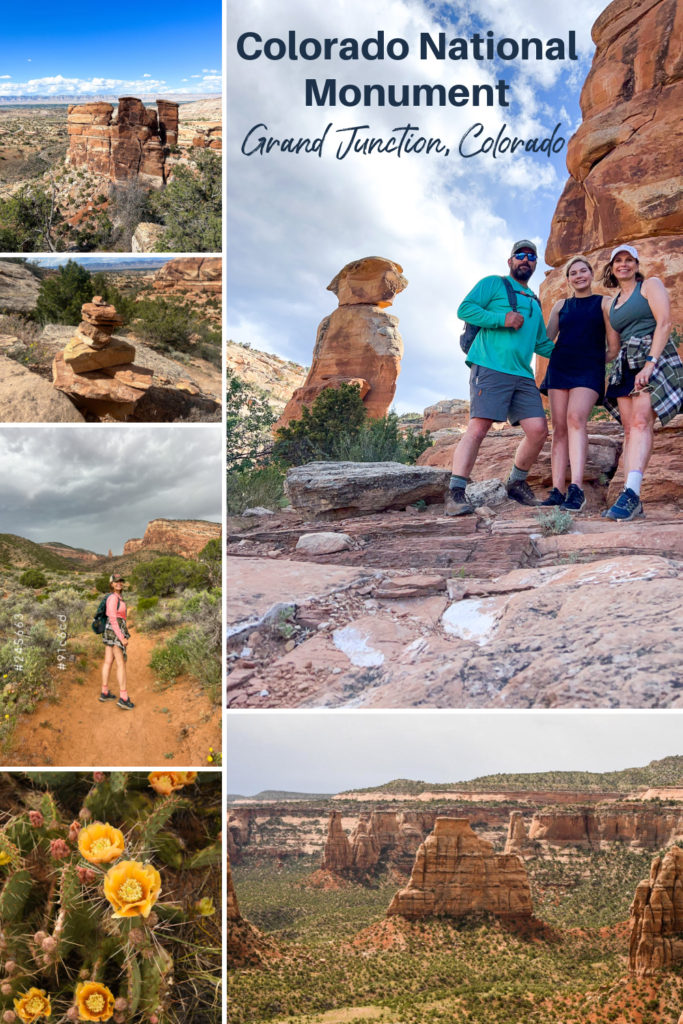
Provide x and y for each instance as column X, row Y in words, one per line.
column 167, row 574
column 337, row 427
column 33, row 578
column 145, row 603
column 556, row 520
column 101, row 584
column 29, row 222
column 172, row 326
column 190, row 206
column 128, row 205
column 69, row 603
column 212, row 556
column 190, row 651
column 249, row 418
column 61, row 296
column 249, row 488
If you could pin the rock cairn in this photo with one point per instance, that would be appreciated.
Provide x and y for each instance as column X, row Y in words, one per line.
column 657, row 916
column 96, row 369
column 358, row 343
column 456, row 874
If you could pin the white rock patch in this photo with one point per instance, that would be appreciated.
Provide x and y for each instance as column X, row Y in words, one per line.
column 351, row 642
column 473, row 620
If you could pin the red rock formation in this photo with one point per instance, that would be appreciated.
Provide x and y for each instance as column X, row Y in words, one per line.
column 184, row 537
column 358, row 342
column 624, row 160
column 456, row 874
column 637, row 826
column 127, row 145
column 190, row 274
column 246, row 946
column 517, row 840
column 65, row 552
column 657, row 916
column 451, row 412
column 337, row 850
column 364, row 849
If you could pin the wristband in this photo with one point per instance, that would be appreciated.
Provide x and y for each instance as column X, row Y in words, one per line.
column 651, row 359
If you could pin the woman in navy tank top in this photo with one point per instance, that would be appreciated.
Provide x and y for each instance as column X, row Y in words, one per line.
column 647, row 378
column 575, row 380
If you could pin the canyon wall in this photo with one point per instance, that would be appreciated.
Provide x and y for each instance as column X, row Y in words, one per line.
column 185, row 537
column 128, row 144
column 657, row 916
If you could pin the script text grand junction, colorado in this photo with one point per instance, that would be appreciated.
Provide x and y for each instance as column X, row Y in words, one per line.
column 329, row 92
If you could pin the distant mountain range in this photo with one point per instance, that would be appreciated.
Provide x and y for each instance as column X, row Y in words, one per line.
column 58, row 101
column 95, row 263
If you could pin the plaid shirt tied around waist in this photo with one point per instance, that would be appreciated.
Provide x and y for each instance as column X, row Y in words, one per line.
column 666, row 382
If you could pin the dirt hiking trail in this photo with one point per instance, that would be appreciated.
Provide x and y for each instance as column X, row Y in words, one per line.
column 78, row 730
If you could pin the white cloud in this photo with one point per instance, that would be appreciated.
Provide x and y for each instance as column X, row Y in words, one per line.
column 145, row 75
column 5, row 76
column 59, row 85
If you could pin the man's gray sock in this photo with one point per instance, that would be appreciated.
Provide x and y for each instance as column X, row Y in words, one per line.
column 457, row 481
column 517, row 474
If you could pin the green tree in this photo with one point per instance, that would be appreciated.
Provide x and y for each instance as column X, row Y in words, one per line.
column 249, row 419
column 61, row 296
column 212, row 556
column 167, row 574
column 30, row 222
column 190, row 206
column 33, row 578
column 335, row 413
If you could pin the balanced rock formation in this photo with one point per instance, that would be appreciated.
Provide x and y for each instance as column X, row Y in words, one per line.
column 185, row 537
column 657, row 916
column 336, row 490
column 624, row 160
column 358, row 342
column 196, row 275
column 456, row 874
column 128, row 144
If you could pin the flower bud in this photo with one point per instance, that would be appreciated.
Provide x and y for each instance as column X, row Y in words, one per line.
column 153, row 920
column 153, row 1019
column 49, row 944
column 9, row 1016
column 72, row 1013
column 6, row 988
column 58, row 849
column 10, row 967
column 86, row 875
column 98, row 776
column 120, row 1004
column 84, row 814
column 38, row 937
column 36, row 819
column 136, row 936
column 119, row 1018
column 84, row 974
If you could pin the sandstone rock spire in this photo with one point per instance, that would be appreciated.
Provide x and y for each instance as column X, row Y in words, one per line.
column 337, row 849
column 456, row 874
column 358, row 342
column 657, row 916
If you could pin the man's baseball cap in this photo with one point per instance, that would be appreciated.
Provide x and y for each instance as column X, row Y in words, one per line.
column 526, row 244
column 630, row 249
column 115, row 578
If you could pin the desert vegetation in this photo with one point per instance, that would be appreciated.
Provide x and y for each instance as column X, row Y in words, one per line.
column 48, row 607
column 335, row 428
column 341, row 960
column 110, row 894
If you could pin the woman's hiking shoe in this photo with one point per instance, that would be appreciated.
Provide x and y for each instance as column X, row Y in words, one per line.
column 556, row 497
column 576, row 499
column 104, row 697
column 520, row 491
column 627, row 506
column 459, row 505
column 126, row 704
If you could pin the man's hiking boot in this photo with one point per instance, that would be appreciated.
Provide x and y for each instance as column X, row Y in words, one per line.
column 458, row 505
column 126, row 704
column 556, row 497
column 520, row 491
column 627, row 506
column 104, row 697
column 576, row 499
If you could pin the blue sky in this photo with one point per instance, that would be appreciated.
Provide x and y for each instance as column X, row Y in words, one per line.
column 294, row 221
column 78, row 48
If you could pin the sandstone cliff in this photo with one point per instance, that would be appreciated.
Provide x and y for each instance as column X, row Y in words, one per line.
column 198, row 276
column 337, row 849
column 657, row 916
column 639, row 827
column 18, row 288
column 624, row 160
column 184, row 537
column 127, row 145
column 279, row 378
column 359, row 342
column 456, row 874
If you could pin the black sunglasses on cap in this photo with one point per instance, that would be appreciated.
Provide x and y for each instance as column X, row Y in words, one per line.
column 530, row 256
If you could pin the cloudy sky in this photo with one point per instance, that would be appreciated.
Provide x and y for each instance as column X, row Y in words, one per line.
column 96, row 488
column 329, row 752
column 77, row 48
column 295, row 220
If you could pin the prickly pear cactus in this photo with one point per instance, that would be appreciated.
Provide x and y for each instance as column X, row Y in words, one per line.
column 103, row 906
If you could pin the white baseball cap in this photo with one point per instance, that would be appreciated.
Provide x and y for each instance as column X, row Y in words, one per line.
column 630, row 249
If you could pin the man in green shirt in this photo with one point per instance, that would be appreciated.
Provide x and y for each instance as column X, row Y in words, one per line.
column 502, row 382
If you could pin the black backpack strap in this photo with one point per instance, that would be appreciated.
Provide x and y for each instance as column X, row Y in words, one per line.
column 512, row 297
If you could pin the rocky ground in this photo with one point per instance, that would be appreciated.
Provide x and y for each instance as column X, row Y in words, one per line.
column 32, row 139
column 487, row 610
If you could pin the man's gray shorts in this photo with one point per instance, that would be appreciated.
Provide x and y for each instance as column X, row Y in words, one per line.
column 503, row 396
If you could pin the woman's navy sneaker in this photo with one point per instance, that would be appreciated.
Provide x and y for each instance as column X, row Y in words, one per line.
column 627, row 506
column 576, row 499
column 107, row 696
column 126, row 704
column 556, row 497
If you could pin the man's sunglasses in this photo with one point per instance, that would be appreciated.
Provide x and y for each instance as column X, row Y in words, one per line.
column 530, row 256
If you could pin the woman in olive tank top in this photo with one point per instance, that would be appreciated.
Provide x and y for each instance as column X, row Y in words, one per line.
column 647, row 378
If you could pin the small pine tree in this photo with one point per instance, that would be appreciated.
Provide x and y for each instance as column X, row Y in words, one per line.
column 190, row 206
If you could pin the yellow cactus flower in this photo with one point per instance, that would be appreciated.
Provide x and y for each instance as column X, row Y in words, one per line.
column 4, row 858
column 100, row 843
column 132, row 888
column 164, row 782
column 94, row 1001
column 32, row 1005
column 186, row 778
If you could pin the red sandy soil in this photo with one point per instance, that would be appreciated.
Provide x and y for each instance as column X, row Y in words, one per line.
column 77, row 730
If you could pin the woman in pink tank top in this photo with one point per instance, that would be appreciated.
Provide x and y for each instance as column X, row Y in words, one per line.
column 116, row 637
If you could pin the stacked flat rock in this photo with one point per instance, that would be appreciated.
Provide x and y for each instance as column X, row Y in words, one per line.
column 95, row 369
